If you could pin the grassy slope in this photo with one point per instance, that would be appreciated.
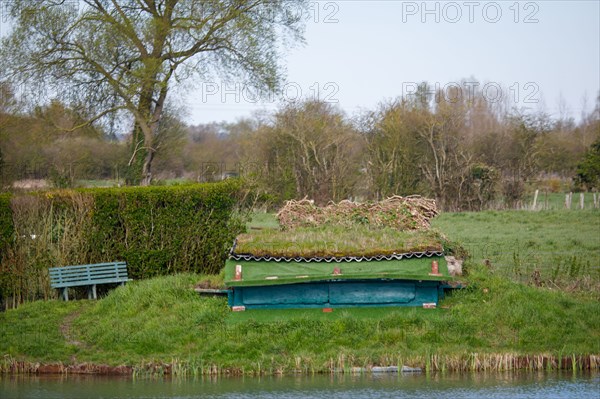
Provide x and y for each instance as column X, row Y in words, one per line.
column 162, row 319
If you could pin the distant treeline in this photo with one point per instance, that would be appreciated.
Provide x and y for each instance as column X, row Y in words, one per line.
column 466, row 152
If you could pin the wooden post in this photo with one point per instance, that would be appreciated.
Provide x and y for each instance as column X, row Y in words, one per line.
column 595, row 196
column 435, row 269
column 546, row 200
column 570, row 199
column 535, row 197
column 581, row 200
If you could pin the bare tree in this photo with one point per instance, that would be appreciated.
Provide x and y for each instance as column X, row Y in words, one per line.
column 109, row 56
column 311, row 146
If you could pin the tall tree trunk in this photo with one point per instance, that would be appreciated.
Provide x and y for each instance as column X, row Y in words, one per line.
column 144, row 131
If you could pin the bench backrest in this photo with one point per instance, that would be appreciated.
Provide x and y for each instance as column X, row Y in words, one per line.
column 99, row 273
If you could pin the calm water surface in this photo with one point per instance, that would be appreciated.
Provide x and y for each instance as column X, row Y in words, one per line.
column 497, row 385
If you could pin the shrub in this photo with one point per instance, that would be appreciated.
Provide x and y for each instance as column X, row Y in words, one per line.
column 156, row 230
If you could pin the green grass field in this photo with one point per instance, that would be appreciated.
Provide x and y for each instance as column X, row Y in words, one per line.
column 564, row 246
column 162, row 320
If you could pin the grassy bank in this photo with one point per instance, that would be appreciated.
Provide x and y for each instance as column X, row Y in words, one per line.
column 494, row 323
column 497, row 323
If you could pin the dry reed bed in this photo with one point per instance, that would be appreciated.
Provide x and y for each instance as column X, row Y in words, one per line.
column 473, row 362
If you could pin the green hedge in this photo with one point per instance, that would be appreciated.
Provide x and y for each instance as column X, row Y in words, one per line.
column 156, row 230
column 162, row 230
column 6, row 222
column 6, row 235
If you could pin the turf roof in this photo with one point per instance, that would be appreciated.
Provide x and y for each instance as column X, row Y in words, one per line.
column 337, row 241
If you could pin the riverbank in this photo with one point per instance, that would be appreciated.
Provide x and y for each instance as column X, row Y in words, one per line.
column 161, row 326
column 509, row 317
column 434, row 363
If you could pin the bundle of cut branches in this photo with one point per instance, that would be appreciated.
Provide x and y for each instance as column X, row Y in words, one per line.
column 403, row 213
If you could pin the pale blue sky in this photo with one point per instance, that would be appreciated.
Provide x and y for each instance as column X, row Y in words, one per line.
column 376, row 49
column 360, row 53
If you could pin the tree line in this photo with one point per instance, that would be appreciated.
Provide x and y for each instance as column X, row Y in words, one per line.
column 110, row 69
column 468, row 154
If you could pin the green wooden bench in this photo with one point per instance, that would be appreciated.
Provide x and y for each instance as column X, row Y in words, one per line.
column 62, row 278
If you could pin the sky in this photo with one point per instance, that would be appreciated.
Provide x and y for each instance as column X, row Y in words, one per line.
column 535, row 55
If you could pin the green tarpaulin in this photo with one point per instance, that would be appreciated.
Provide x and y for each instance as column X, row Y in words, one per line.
column 269, row 273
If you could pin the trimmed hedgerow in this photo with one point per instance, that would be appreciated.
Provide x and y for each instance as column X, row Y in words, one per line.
column 163, row 230
column 156, row 230
column 6, row 233
column 6, row 222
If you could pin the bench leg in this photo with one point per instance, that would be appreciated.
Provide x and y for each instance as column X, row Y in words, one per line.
column 92, row 291
column 65, row 294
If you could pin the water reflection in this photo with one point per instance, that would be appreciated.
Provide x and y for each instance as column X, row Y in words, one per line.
column 476, row 385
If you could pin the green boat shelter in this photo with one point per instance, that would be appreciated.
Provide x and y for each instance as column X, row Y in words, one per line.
column 266, row 282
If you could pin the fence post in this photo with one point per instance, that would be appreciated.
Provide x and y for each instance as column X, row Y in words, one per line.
column 535, row 197
column 570, row 200
column 581, row 200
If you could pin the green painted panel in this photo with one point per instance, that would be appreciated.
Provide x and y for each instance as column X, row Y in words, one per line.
column 274, row 273
column 427, row 292
column 371, row 292
column 336, row 294
column 296, row 294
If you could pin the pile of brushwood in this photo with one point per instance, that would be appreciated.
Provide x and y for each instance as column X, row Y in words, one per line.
column 402, row 213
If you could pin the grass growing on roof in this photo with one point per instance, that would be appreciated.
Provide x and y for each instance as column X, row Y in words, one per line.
column 358, row 240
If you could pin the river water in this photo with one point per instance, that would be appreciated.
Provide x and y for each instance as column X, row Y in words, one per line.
column 477, row 385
